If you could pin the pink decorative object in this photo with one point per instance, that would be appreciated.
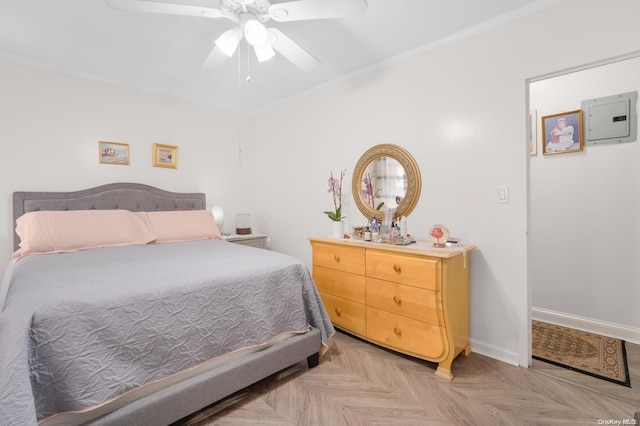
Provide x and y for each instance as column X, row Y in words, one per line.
column 439, row 235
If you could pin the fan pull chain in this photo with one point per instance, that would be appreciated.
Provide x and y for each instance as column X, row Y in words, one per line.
column 248, row 64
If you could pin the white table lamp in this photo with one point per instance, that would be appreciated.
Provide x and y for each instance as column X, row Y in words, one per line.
column 218, row 215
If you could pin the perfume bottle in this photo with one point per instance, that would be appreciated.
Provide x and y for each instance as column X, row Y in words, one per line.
column 387, row 226
column 375, row 231
column 403, row 226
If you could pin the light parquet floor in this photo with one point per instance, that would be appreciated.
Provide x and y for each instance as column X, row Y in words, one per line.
column 358, row 383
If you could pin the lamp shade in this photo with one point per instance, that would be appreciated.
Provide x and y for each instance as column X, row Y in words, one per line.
column 228, row 41
column 218, row 214
column 264, row 51
column 255, row 32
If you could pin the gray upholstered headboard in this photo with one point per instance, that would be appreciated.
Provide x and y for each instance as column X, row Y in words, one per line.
column 127, row 196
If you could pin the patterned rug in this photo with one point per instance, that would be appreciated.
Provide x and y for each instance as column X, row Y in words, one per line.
column 588, row 353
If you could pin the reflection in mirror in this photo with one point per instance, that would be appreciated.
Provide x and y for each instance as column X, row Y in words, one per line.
column 386, row 177
column 384, row 183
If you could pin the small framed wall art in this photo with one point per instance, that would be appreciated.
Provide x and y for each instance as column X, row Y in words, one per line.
column 562, row 132
column 533, row 132
column 165, row 156
column 113, row 153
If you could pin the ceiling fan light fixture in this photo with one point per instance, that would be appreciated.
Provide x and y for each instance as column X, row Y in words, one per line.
column 250, row 17
column 264, row 52
column 228, row 41
column 255, row 32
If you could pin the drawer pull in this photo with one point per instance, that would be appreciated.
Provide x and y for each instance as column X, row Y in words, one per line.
column 338, row 312
column 397, row 300
column 397, row 268
column 336, row 258
column 397, row 331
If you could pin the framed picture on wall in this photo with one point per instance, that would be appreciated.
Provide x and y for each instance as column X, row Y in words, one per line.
column 113, row 153
column 165, row 156
column 533, row 132
column 562, row 132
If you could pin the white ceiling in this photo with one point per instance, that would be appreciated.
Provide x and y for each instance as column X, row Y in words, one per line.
column 162, row 54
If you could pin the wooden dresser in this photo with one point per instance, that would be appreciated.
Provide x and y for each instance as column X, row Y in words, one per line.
column 413, row 299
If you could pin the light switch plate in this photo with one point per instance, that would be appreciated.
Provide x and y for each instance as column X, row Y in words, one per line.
column 503, row 194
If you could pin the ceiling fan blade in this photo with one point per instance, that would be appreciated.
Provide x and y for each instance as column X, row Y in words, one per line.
column 166, row 8
column 291, row 50
column 317, row 9
column 215, row 59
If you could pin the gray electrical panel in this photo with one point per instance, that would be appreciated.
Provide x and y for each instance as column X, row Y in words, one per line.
column 611, row 119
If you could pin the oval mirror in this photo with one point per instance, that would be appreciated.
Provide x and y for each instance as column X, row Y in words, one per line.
column 386, row 176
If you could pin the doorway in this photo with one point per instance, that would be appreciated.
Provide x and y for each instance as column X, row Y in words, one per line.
column 583, row 208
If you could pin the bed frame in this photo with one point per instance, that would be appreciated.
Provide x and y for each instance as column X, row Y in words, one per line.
column 182, row 399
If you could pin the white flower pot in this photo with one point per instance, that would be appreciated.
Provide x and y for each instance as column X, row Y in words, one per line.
column 338, row 229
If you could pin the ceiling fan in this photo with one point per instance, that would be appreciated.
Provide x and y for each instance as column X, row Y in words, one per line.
column 250, row 17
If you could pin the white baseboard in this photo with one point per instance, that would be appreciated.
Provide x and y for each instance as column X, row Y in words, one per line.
column 494, row 352
column 623, row 332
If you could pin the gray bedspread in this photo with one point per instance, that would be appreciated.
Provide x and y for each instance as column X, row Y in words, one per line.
column 79, row 329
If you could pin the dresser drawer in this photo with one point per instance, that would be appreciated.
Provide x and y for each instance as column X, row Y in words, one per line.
column 346, row 314
column 339, row 257
column 338, row 283
column 412, row 302
column 418, row 271
column 405, row 334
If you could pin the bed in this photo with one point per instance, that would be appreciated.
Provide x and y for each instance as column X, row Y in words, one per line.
column 145, row 332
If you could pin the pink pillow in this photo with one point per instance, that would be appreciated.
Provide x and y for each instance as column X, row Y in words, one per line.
column 74, row 230
column 183, row 225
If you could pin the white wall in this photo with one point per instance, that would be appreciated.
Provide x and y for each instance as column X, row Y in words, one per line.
column 50, row 126
column 584, row 210
column 460, row 111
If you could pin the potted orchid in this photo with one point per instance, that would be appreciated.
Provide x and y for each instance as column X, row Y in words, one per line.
column 370, row 192
column 335, row 188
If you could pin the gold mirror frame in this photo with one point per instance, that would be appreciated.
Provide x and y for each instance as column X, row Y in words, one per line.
column 414, row 182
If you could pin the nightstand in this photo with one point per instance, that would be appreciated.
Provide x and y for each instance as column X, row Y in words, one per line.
column 253, row 240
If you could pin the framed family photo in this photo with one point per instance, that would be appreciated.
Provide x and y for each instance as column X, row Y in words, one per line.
column 165, row 156
column 562, row 132
column 533, row 132
column 113, row 153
